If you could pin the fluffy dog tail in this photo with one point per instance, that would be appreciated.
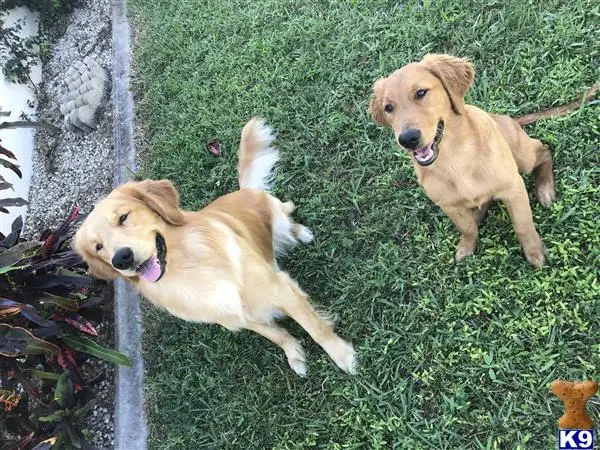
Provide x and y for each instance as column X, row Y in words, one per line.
column 559, row 110
column 257, row 158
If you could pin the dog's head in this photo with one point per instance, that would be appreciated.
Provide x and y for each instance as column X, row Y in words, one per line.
column 568, row 390
column 418, row 99
column 125, row 233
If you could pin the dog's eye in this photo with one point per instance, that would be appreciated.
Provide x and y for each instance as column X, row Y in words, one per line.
column 123, row 218
column 98, row 247
column 421, row 93
column 388, row 108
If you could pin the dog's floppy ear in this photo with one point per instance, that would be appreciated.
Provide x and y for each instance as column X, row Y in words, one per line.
column 376, row 105
column 455, row 74
column 160, row 196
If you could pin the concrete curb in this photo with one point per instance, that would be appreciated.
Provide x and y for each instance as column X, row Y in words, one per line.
column 130, row 419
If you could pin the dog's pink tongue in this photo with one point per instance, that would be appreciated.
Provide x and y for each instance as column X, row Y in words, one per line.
column 150, row 270
column 424, row 153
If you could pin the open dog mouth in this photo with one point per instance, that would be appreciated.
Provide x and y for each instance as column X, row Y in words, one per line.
column 428, row 154
column 154, row 267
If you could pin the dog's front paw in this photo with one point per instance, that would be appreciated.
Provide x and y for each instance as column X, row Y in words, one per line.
column 466, row 247
column 536, row 256
column 546, row 195
column 296, row 358
column 343, row 355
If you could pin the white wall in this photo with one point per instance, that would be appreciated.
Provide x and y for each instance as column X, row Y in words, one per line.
column 13, row 97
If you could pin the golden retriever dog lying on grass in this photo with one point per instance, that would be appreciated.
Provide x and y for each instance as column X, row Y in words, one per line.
column 217, row 265
column 464, row 157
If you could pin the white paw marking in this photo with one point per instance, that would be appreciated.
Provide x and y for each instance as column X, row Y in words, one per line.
column 298, row 366
column 305, row 235
column 343, row 355
column 296, row 358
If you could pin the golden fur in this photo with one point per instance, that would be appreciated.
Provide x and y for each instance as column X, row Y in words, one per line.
column 220, row 261
column 480, row 155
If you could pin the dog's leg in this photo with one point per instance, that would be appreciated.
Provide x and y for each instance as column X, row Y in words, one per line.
column 294, row 303
column 544, row 178
column 290, row 345
column 517, row 203
column 465, row 221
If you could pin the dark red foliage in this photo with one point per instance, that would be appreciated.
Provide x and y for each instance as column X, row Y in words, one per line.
column 46, row 302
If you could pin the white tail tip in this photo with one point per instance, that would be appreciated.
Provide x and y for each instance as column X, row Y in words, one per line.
column 257, row 157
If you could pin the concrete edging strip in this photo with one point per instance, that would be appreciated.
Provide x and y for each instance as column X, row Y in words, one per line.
column 130, row 419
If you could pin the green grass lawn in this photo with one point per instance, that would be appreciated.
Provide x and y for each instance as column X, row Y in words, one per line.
column 451, row 356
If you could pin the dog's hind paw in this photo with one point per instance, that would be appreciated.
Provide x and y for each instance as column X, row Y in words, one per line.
column 305, row 235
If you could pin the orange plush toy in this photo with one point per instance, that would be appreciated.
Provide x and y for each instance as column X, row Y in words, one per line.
column 574, row 395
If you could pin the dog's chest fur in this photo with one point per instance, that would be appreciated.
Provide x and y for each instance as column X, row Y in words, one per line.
column 449, row 188
column 201, row 295
column 211, row 271
column 470, row 171
column 202, row 282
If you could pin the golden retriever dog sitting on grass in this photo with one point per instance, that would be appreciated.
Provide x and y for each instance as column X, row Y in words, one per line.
column 464, row 157
column 217, row 265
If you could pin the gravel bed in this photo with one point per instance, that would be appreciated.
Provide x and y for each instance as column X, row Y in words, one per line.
column 69, row 168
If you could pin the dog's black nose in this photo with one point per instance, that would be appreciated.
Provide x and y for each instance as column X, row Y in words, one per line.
column 410, row 138
column 123, row 258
